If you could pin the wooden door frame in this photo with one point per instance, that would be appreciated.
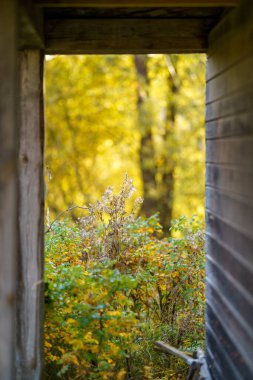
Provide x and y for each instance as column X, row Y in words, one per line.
column 21, row 243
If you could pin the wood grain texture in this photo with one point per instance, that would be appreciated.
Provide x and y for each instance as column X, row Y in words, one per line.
column 137, row 3
column 31, row 206
column 8, row 188
column 229, row 196
column 126, row 36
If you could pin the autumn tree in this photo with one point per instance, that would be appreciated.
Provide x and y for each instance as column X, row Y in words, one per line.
column 145, row 124
column 108, row 115
column 157, row 165
column 165, row 155
column 90, row 134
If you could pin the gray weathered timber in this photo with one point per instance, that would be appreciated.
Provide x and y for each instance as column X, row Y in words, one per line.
column 229, row 196
column 31, row 205
column 126, row 36
column 8, row 188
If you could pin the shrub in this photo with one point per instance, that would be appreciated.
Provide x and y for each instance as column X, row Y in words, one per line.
column 114, row 285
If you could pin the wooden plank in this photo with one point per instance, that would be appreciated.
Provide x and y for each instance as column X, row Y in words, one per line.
column 220, row 363
column 30, row 296
column 234, row 79
column 238, row 329
column 236, row 151
column 136, row 3
column 235, row 125
column 224, row 346
column 228, row 286
column 126, row 36
column 230, row 179
column 230, row 105
column 237, row 212
column 237, row 238
column 8, row 188
column 212, row 364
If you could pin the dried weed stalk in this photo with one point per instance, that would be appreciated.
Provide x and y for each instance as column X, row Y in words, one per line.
column 105, row 231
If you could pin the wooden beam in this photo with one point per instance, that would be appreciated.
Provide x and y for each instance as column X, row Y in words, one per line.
column 136, row 3
column 31, row 207
column 8, row 188
column 126, row 36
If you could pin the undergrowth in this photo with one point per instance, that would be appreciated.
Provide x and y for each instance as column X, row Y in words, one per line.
column 114, row 284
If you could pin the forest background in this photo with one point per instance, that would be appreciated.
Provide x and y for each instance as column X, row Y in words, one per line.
column 144, row 115
column 119, row 273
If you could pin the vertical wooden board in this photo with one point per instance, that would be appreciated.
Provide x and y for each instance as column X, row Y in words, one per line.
column 31, row 206
column 8, row 187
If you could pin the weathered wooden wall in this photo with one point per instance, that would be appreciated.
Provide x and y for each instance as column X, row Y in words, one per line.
column 31, row 207
column 229, row 196
column 8, row 187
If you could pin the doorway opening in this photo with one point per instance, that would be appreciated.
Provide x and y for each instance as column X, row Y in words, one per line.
column 124, row 268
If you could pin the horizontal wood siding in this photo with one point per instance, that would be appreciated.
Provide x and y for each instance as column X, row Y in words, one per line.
column 229, row 196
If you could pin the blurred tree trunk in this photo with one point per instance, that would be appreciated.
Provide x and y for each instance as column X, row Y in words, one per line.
column 147, row 151
column 167, row 159
column 158, row 180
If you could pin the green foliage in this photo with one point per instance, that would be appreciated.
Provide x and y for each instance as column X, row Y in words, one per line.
column 115, row 285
